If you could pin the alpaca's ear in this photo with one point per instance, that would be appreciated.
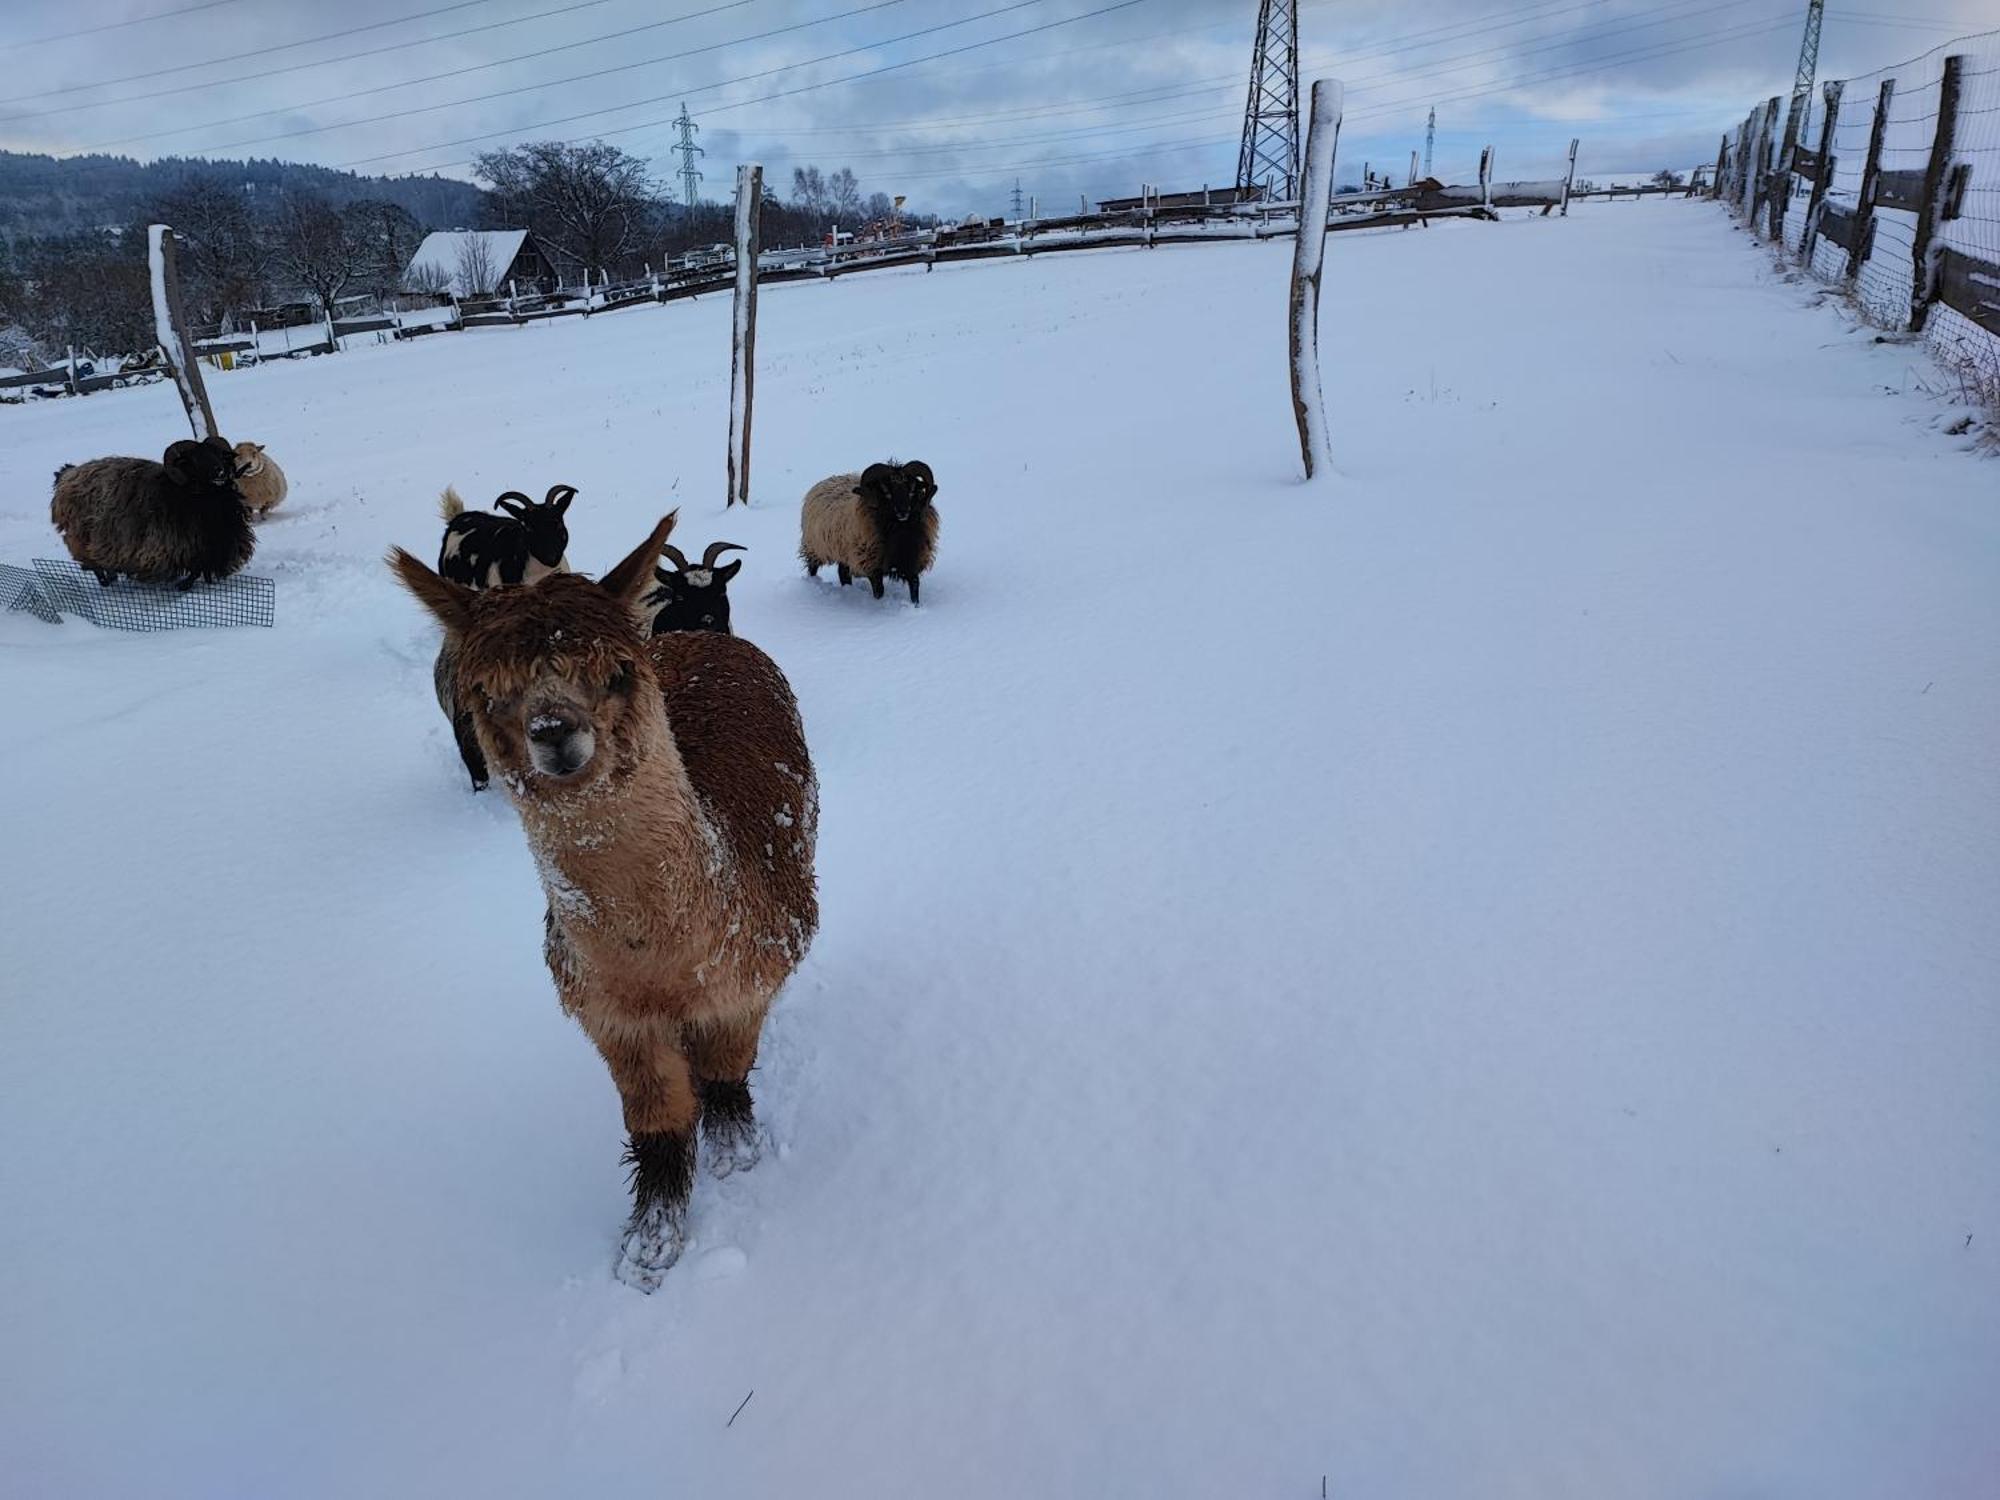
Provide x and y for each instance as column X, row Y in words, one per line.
column 450, row 602
column 628, row 580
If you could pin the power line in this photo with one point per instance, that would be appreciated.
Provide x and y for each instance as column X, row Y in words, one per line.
column 766, row 73
column 105, row 83
column 529, row 88
column 158, row 15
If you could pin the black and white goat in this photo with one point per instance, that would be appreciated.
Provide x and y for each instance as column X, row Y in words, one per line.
column 694, row 598
column 528, row 541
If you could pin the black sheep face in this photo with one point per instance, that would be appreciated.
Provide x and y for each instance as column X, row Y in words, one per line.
column 696, row 596
column 897, row 493
column 542, row 522
column 199, row 465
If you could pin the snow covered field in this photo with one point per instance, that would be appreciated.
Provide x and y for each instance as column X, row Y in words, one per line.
column 1478, row 980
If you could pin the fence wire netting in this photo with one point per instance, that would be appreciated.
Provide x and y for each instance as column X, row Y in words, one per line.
column 1861, row 224
column 58, row 584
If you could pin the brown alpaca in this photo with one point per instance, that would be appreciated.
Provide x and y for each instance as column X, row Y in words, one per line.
column 671, row 807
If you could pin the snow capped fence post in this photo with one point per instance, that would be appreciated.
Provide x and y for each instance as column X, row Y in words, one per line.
column 1308, row 256
column 1816, row 203
column 1871, row 170
column 72, row 371
column 743, row 330
column 1924, row 276
column 170, row 330
column 1486, row 176
column 1569, row 177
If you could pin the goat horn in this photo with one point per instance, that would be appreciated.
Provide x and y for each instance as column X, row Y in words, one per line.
column 560, row 494
column 715, row 550
column 512, row 495
column 680, row 561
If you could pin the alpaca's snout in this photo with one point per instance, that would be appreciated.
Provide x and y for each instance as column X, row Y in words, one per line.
column 559, row 742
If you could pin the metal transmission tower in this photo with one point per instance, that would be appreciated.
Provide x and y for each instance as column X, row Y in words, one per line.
column 1802, row 82
column 1270, row 155
column 1430, row 138
column 687, row 150
column 1017, row 197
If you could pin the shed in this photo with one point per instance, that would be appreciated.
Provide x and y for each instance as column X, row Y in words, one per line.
column 478, row 262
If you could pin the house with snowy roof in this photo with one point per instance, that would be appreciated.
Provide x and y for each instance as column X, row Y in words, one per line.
column 479, row 262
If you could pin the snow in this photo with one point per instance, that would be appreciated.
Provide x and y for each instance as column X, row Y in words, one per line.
column 1498, row 999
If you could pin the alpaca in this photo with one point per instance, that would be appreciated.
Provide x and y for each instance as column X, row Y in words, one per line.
column 671, row 807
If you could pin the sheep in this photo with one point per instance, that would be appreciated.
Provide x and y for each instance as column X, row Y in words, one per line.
column 694, row 598
column 181, row 519
column 481, row 549
column 878, row 523
column 444, row 672
column 260, row 479
column 670, row 804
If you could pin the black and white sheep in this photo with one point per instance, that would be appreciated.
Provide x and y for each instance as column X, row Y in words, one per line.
column 694, row 598
column 180, row 520
column 527, row 542
column 879, row 523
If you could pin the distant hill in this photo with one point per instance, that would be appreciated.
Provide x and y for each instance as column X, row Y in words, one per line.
column 44, row 195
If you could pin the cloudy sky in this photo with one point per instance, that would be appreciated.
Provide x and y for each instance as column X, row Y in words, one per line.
column 948, row 101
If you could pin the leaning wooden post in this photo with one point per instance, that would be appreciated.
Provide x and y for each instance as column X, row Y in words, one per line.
column 1570, row 176
column 743, row 330
column 170, row 330
column 1923, row 277
column 1308, row 254
column 1486, row 177
column 1816, row 204
column 1760, row 168
column 1721, row 161
column 1871, row 171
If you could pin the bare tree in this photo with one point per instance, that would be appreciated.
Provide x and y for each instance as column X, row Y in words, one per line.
column 809, row 190
column 844, row 194
column 317, row 249
column 1667, row 177
column 476, row 273
column 226, row 252
column 387, row 237
column 592, row 204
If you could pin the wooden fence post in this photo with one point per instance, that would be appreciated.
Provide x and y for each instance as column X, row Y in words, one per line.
column 1721, row 162
column 170, row 329
column 743, row 329
column 1923, row 277
column 1569, row 177
column 1864, row 204
column 1760, row 186
column 1486, row 176
column 1816, row 204
column 1308, row 258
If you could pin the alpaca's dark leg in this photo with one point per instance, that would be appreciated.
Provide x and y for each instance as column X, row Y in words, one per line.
column 722, row 1057
column 656, row 1087
column 875, row 583
column 846, row 577
column 913, row 588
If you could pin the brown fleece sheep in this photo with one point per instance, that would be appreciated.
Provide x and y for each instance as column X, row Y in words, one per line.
column 178, row 520
column 671, row 808
column 879, row 523
column 260, row 479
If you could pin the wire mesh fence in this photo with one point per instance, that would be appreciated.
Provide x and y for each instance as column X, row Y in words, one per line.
column 1888, row 186
column 59, row 587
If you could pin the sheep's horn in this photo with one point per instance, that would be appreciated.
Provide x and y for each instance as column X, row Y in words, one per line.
column 516, row 495
column 680, row 561
column 560, row 496
column 715, row 550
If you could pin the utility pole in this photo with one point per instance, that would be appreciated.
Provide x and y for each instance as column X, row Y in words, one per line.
column 1269, row 156
column 687, row 151
column 1430, row 138
column 1017, row 197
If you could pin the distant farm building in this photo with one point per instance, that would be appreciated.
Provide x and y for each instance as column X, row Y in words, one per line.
column 1200, row 198
column 480, row 262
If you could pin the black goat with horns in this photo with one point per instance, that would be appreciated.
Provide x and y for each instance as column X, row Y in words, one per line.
column 482, row 550
column 694, row 597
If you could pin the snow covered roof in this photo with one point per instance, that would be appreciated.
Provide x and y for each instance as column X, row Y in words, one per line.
column 447, row 252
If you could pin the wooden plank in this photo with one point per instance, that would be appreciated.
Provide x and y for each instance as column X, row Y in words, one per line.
column 743, row 330
column 170, row 329
column 1308, row 260
column 1816, row 203
column 1902, row 189
column 1871, row 169
column 1970, row 287
column 1805, row 163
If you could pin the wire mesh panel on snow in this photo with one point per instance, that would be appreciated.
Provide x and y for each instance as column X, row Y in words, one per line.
column 22, row 590
column 126, row 605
